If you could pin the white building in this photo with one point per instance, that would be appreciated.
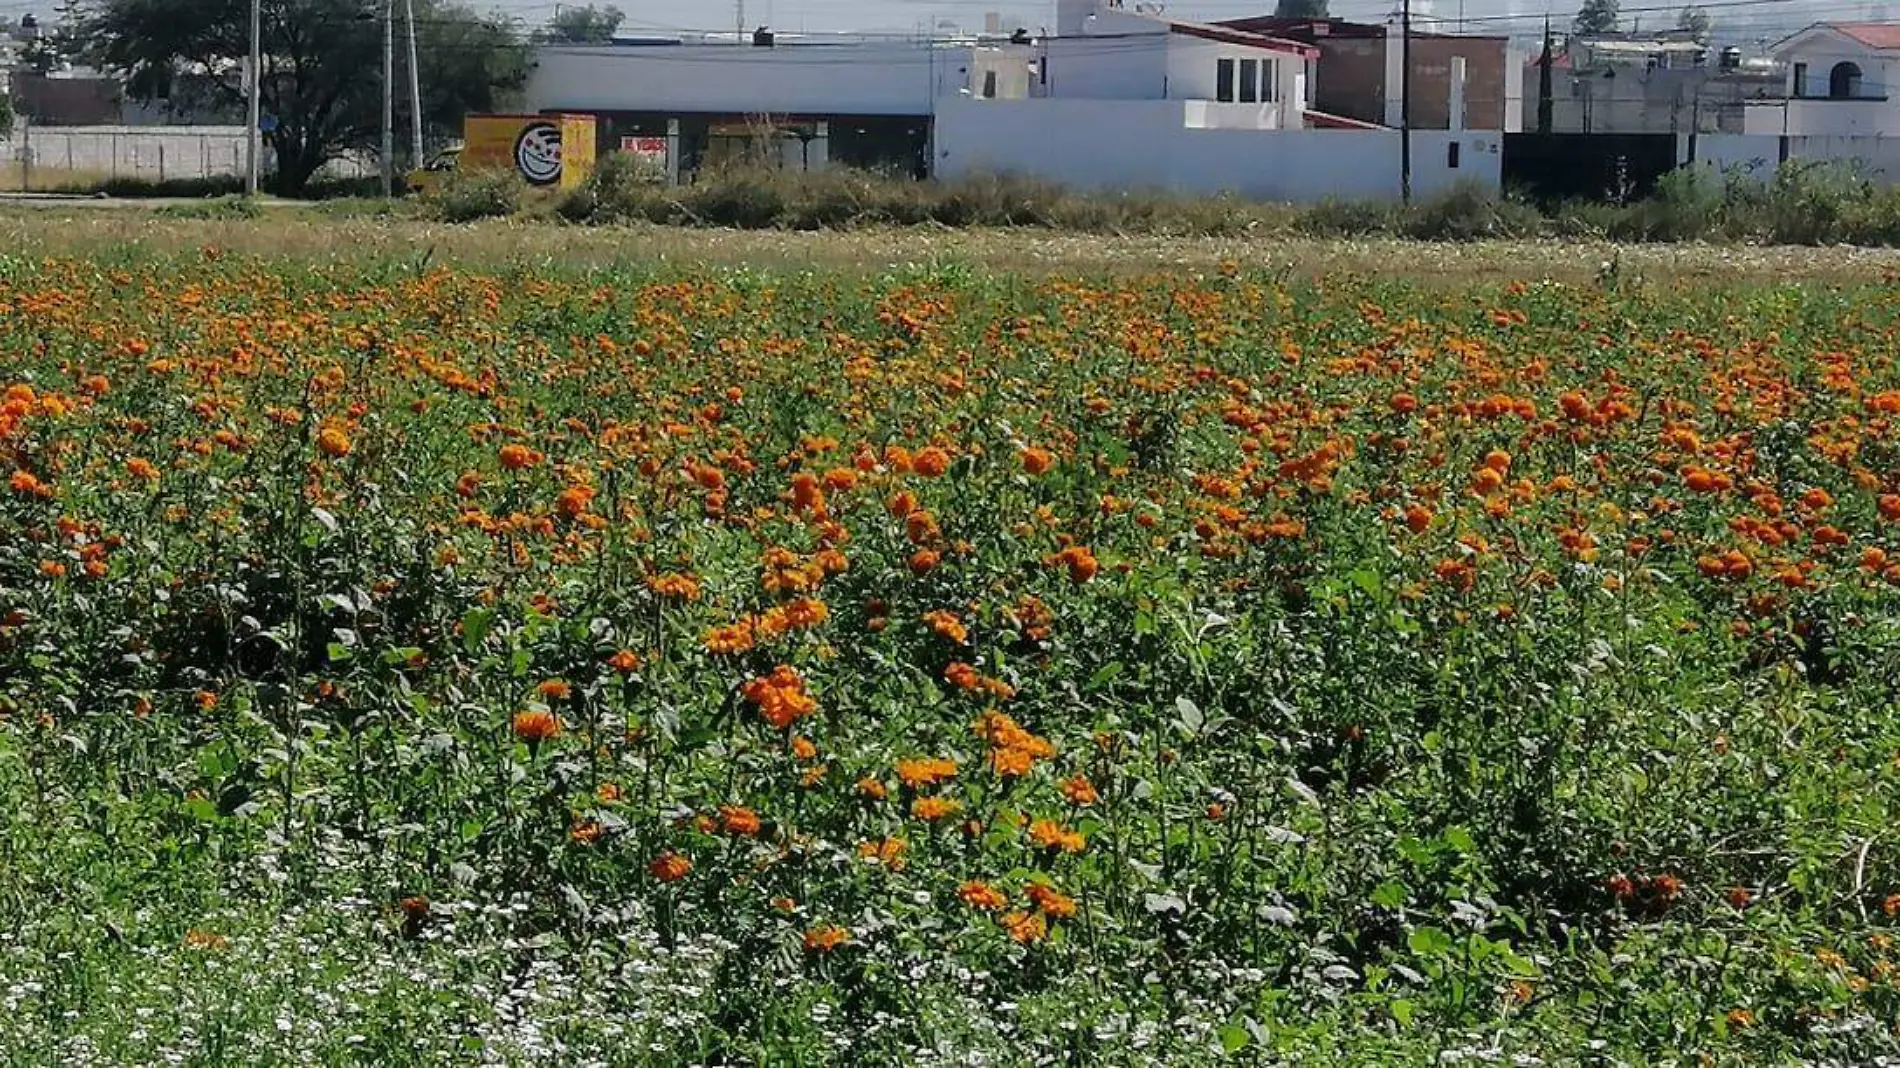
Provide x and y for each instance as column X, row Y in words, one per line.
column 1114, row 98
column 1234, row 79
column 1839, row 83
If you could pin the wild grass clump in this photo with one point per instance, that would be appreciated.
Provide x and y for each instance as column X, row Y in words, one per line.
column 468, row 196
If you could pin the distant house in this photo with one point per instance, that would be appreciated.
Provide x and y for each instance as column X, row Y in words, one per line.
column 873, row 102
column 1356, row 72
column 1651, row 83
column 1838, row 79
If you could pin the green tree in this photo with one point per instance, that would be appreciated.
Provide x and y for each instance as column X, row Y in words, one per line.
column 1696, row 20
column 1300, row 9
column 1596, row 16
column 322, row 80
column 583, row 25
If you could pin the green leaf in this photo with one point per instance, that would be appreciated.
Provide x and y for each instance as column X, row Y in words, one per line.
column 1234, row 1038
column 1402, row 1010
column 1188, row 716
column 339, row 652
column 1390, row 895
column 475, row 627
column 1105, row 674
column 1428, row 942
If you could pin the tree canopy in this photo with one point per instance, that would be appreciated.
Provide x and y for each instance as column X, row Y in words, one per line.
column 322, row 80
column 1696, row 20
column 585, row 24
column 1597, row 16
column 1300, row 9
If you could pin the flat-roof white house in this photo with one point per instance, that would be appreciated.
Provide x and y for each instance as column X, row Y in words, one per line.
column 1840, row 78
column 1116, row 99
column 873, row 102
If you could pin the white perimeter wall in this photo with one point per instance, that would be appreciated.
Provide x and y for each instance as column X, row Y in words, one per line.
column 898, row 78
column 156, row 153
column 1123, row 145
column 1877, row 157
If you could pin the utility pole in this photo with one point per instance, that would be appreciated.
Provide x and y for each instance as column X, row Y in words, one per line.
column 389, row 98
column 415, row 89
column 251, row 94
column 738, row 22
column 1405, row 104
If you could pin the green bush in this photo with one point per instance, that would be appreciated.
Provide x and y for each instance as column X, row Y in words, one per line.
column 1468, row 212
column 467, row 196
column 1333, row 217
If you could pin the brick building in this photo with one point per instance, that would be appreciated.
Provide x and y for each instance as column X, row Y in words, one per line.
column 1356, row 60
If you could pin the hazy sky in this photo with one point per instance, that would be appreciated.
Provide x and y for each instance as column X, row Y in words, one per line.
column 1746, row 18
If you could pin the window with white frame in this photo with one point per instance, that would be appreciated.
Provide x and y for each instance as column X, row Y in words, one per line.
column 1247, row 81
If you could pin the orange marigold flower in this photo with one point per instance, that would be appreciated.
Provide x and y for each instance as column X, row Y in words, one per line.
column 1078, row 559
column 554, row 689
column 934, row 808
column 518, row 457
column 333, row 442
column 536, row 725
column 947, row 625
column 626, row 661
column 670, row 867
column 780, row 697
column 1740, row 897
column 888, row 852
column 738, row 820
column 584, row 832
column 1054, row 903
column 1037, row 461
column 1050, row 834
column 919, row 773
column 825, row 937
column 980, row 895
column 573, row 502
column 924, row 561
column 804, row 748
column 1418, row 518
column 1080, row 791
column 1011, row 763
column 141, row 468
column 731, row 639
column 807, row 496
column 871, row 789
column 931, row 462
column 1026, row 927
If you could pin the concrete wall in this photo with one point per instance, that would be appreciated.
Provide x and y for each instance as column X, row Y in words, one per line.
column 1825, row 118
column 1112, row 68
column 1759, row 155
column 157, row 153
column 877, row 78
column 1127, row 145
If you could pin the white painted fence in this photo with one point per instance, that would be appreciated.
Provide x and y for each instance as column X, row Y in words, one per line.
column 1150, row 145
column 1761, row 154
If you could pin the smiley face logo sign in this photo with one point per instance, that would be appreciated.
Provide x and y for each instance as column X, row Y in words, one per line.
column 538, row 153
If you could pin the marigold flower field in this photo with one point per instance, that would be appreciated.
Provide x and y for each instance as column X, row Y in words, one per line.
column 413, row 665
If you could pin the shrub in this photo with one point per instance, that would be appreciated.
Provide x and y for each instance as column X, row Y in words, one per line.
column 465, row 196
column 1468, row 212
column 1333, row 217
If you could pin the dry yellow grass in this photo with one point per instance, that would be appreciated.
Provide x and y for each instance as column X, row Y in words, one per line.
column 299, row 234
